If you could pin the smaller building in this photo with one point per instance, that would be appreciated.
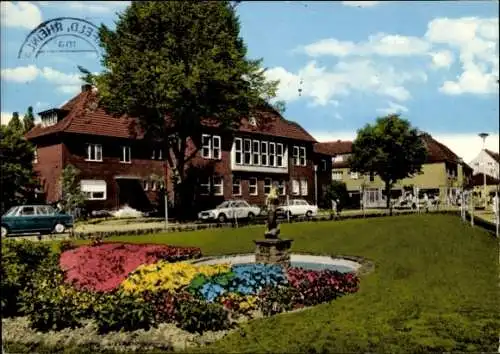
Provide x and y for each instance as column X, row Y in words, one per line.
column 480, row 192
column 443, row 174
column 487, row 162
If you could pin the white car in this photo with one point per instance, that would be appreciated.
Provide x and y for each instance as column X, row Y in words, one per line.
column 230, row 209
column 298, row 207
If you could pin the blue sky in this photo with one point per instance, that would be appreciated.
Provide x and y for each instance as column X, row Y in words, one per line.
column 434, row 62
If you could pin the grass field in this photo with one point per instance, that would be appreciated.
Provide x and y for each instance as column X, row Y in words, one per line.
column 434, row 288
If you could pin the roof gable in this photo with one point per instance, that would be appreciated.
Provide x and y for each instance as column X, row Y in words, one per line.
column 494, row 155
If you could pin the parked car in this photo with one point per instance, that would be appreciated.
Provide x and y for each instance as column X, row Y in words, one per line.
column 35, row 219
column 297, row 207
column 230, row 209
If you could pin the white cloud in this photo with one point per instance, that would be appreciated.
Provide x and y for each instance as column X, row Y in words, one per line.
column 360, row 3
column 378, row 44
column 393, row 108
column 323, row 85
column 466, row 146
column 22, row 14
column 5, row 118
column 476, row 40
column 442, row 59
column 20, row 74
column 66, row 83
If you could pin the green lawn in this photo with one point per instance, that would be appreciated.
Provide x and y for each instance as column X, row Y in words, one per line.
column 434, row 288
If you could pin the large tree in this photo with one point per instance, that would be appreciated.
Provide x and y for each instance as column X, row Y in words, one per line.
column 180, row 62
column 72, row 196
column 15, row 123
column 391, row 148
column 18, row 180
column 28, row 120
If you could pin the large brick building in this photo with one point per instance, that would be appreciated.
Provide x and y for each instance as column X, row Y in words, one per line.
column 120, row 166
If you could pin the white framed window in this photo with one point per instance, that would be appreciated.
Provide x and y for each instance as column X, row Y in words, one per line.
column 35, row 155
column 145, row 185
column 154, row 185
column 218, row 185
column 267, row 185
column 252, row 186
column 337, row 175
column 157, row 154
column 303, row 186
column 256, row 152
column 204, row 185
column 263, row 153
column 296, row 155
column 94, row 152
column 295, row 187
column 282, row 187
column 323, row 165
column 153, row 154
column 354, row 175
column 93, row 189
column 236, row 186
column 210, row 146
column 302, row 156
column 126, row 155
column 238, row 156
column 279, row 155
column 247, row 152
column 272, row 154
column 216, row 147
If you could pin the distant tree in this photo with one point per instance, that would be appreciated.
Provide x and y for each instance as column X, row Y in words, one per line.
column 72, row 195
column 28, row 120
column 182, row 61
column 390, row 148
column 17, row 178
column 15, row 123
column 337, row 190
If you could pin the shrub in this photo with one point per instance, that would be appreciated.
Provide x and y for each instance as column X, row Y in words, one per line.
column 163, row 276
column 66, row 245
column 21, row 261
column 102, row 268
column 121, row 311
column 198, row 316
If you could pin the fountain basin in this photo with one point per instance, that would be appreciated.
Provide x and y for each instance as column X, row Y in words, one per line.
column 305, row 261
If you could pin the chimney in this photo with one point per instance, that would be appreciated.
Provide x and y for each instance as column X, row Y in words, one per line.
column 86, row 87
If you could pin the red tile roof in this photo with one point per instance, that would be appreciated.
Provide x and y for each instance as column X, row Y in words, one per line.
column 333, row 148
column 436, row 152
column 493, row 154
column 86, row 117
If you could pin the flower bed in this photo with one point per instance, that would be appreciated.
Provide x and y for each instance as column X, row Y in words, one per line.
column 103, row 267
column 128, row 287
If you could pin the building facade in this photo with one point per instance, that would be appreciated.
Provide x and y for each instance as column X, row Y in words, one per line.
column 119, row 166
column 443, row 175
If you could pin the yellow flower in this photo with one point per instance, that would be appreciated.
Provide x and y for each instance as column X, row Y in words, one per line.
column 168, row 276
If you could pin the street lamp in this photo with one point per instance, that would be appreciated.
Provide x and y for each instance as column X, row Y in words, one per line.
column 484, row 136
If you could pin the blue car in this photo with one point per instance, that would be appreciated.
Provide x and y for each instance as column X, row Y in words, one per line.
column 41, row 219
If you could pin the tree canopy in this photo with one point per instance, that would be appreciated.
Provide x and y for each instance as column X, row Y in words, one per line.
column 183, row 60
column 28, row 120
column 15, row 124
column 390, row 148
column 72, row 195
column 17, row 177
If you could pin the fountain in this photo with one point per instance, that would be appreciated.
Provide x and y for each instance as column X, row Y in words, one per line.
column 272, row 249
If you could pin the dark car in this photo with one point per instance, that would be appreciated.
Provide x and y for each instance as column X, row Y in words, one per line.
column 35, row 219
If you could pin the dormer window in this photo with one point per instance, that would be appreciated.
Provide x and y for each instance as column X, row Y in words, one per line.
column 50, row 117
column 253, row 121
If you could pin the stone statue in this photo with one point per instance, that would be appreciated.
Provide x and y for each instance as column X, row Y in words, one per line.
column 272, row 202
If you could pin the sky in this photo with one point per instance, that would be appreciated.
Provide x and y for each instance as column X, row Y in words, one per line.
column 340, row 64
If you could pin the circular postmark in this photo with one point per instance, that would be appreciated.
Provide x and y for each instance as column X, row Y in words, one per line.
column 61, row 35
